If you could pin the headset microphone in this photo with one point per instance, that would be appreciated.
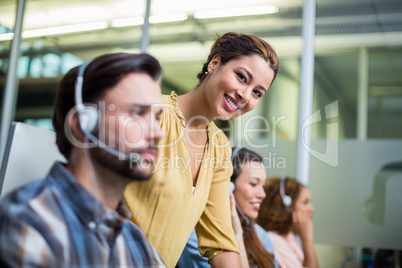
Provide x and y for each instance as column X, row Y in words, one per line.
column 88, row 117
column 244, row 220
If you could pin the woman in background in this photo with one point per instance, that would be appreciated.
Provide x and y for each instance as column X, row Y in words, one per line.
column 287, row 210
column 248, row 180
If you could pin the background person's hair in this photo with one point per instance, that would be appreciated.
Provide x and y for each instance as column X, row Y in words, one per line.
column 273, row 214
column 240, row 157
column 256, row 251
column 233, row 45
column 101, row 75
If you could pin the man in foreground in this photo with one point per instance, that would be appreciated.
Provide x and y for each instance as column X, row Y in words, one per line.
column 106, row 126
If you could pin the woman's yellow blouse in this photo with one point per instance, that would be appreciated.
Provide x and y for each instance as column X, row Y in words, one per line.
column 165, row 207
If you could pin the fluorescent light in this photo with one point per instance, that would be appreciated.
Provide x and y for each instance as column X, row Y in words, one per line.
column 66, row 29
column 6, row 36
column 124, row 22
column 234, row 12
column 167, row 17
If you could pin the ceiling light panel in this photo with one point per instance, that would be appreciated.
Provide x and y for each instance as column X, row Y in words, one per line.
column 234, row 12
column 99, row 25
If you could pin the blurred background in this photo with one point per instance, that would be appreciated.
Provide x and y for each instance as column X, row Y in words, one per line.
column 358, row 72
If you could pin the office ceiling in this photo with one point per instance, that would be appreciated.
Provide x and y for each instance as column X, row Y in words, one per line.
column 343, row 27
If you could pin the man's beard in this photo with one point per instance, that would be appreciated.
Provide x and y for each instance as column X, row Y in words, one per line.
column 127, row 168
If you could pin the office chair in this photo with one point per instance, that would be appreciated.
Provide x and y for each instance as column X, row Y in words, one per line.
column 29, row 154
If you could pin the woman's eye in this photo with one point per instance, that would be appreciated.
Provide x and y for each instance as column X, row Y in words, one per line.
column 136, row 112
column 253, row 184
column 242, row 77
column 258, row 93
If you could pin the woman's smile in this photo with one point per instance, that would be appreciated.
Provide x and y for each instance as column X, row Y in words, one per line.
column 231, row 103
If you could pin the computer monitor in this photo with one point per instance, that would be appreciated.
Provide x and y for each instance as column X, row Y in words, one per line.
column 29, row 154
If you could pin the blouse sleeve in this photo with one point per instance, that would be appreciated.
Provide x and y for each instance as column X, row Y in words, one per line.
column 214, row 229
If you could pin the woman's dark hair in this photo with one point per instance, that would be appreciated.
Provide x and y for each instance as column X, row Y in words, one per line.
column 273, row 214
column 101, row 75
column 257, row 254
column 233, row 45
column 240, row 156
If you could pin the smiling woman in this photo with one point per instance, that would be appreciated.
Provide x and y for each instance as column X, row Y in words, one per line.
column 247, row 182
column 237, row 73
column 249, row 178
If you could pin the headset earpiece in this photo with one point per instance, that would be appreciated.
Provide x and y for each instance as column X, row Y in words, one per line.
column 87, row 115
column 88, row 118
column 244, row 220
column 232, row 186
column 286, row 199
column 236, row 149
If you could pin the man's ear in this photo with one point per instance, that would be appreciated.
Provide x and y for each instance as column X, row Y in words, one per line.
column 73, row 124
column 215, row 62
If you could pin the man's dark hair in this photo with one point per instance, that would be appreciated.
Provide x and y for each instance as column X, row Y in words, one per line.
column 101, row 75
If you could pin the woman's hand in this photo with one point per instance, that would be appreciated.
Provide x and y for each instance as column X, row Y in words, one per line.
column 236, row 223
column 303, row 224
column 238, row 229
